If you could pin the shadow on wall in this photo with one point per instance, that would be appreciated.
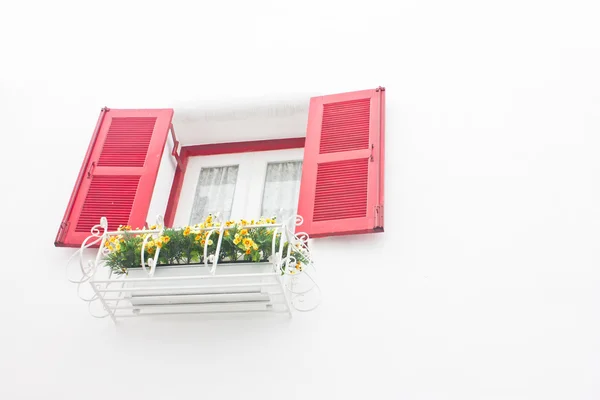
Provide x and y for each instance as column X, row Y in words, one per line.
column 242, row 119
column 350, row 247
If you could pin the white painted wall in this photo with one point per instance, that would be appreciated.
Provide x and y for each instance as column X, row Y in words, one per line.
column 486, row 283
column 163, row 184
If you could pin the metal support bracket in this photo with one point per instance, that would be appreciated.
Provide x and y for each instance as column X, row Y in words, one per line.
column 176, row 147
column 378, row 217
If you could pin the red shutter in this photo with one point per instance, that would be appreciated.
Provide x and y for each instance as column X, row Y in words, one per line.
column 342, row 175
column 118, row 174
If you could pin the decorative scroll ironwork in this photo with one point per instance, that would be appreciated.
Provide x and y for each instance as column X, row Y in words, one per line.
column 300, row 283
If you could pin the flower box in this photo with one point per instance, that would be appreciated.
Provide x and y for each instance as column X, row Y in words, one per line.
column 237, row 266
column 205, row 244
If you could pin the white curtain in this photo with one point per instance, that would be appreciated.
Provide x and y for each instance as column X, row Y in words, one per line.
column 282, row 189
column 214, row 193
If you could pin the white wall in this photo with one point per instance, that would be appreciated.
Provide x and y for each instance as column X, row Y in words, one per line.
column 163, row 184
column 485, row 284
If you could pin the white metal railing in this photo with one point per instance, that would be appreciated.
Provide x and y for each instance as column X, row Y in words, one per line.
column 116, row 294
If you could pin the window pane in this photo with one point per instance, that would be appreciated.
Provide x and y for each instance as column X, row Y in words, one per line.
column 282, row 188
column 214, row 193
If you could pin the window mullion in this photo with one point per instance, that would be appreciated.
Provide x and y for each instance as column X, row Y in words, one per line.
column 259, row 171
column 239, row 207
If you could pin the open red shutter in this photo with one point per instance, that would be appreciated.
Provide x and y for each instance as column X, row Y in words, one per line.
column 342, row 175
column 118, row 174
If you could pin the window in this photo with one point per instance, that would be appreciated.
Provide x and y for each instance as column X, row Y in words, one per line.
column 282, row 189
column 245, row 185
column 214, row 193
column 334, row 178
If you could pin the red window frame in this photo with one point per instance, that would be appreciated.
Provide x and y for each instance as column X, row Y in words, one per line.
column 221, row 148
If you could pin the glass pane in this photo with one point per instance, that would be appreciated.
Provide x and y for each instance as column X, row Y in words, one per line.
column 214, row 193
column 282, row 188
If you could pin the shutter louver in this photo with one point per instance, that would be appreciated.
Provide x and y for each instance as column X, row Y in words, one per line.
column 341, row 190
column 111, row 197
column 345, row 126
column 119, row 173
column 127, row 142
column 342, row 178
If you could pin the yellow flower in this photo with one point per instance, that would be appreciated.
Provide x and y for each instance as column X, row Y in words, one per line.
column 153, row 227
column 159, row 243
column 247, row 242
column 236, row 241
column 165, row 239
column 248, row 251
column 198, row 237
column 298, row 265
column 255, row 246
column 243, row 222
column 269, row 221
column 203, row 242
column 210, row 242
column 252, row 222
column 150, row 244
column 226, row 233
column 244, row 232
column 187, row 231
column 118, row 247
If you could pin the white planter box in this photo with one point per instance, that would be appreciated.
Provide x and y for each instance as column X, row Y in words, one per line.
column 192, row 288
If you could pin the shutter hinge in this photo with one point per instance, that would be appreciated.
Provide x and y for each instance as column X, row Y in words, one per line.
column 379, row 217
column 62, row 231
column 176, row 146
column 371, row 158
column 91, row 170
